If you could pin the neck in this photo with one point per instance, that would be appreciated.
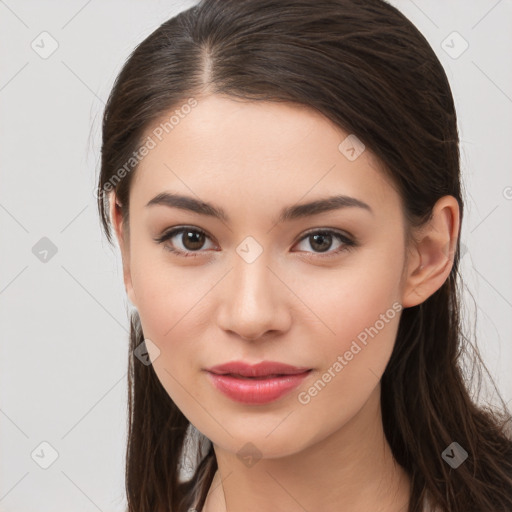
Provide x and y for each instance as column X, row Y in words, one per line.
column 353, row 468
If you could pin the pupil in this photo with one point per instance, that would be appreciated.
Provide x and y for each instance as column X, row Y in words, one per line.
column 323, row 238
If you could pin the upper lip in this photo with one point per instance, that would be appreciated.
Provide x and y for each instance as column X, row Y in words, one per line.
column 265, row 368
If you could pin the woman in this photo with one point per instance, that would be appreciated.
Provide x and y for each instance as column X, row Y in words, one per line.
column 283, row 180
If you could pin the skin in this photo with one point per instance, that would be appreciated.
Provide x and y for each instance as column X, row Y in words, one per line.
column 289, row 305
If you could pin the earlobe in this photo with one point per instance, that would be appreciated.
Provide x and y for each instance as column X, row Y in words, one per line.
column 116, row 220
column 432, row 255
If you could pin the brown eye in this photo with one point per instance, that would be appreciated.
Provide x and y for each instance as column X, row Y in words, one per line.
column 185, row 241
column 192, row 240
column 321, row 241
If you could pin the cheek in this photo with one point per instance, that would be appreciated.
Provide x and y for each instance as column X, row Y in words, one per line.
column 361, row 342
column 354, row 299
column 173, row 307
column 362, row 310
column 167, row 296
column 169, row 305
column 364, row 317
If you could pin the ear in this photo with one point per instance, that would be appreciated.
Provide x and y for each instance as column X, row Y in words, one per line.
column 431, row 256
column 124, row 243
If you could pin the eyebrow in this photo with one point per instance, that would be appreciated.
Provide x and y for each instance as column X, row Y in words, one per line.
column 287, row 214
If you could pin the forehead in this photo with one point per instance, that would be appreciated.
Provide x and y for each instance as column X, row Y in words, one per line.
column 259, row 150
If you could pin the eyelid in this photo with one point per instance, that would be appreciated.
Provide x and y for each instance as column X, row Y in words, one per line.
column 331, row 231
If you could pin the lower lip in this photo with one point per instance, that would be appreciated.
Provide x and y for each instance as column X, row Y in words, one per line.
column 256, row 391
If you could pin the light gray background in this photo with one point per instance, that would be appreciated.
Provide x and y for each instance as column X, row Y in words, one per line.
column 64, row 322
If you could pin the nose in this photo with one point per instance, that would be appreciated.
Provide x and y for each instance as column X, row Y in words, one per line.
column 254, row 301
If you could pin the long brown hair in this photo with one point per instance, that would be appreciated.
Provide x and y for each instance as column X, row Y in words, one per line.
column 366, row 67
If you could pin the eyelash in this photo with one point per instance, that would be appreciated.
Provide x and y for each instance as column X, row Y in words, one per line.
column 348, row 244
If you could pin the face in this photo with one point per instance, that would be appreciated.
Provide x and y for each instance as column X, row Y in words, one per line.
column 319, row 288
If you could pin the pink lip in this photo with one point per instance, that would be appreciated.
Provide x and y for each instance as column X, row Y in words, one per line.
column 256, row 384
